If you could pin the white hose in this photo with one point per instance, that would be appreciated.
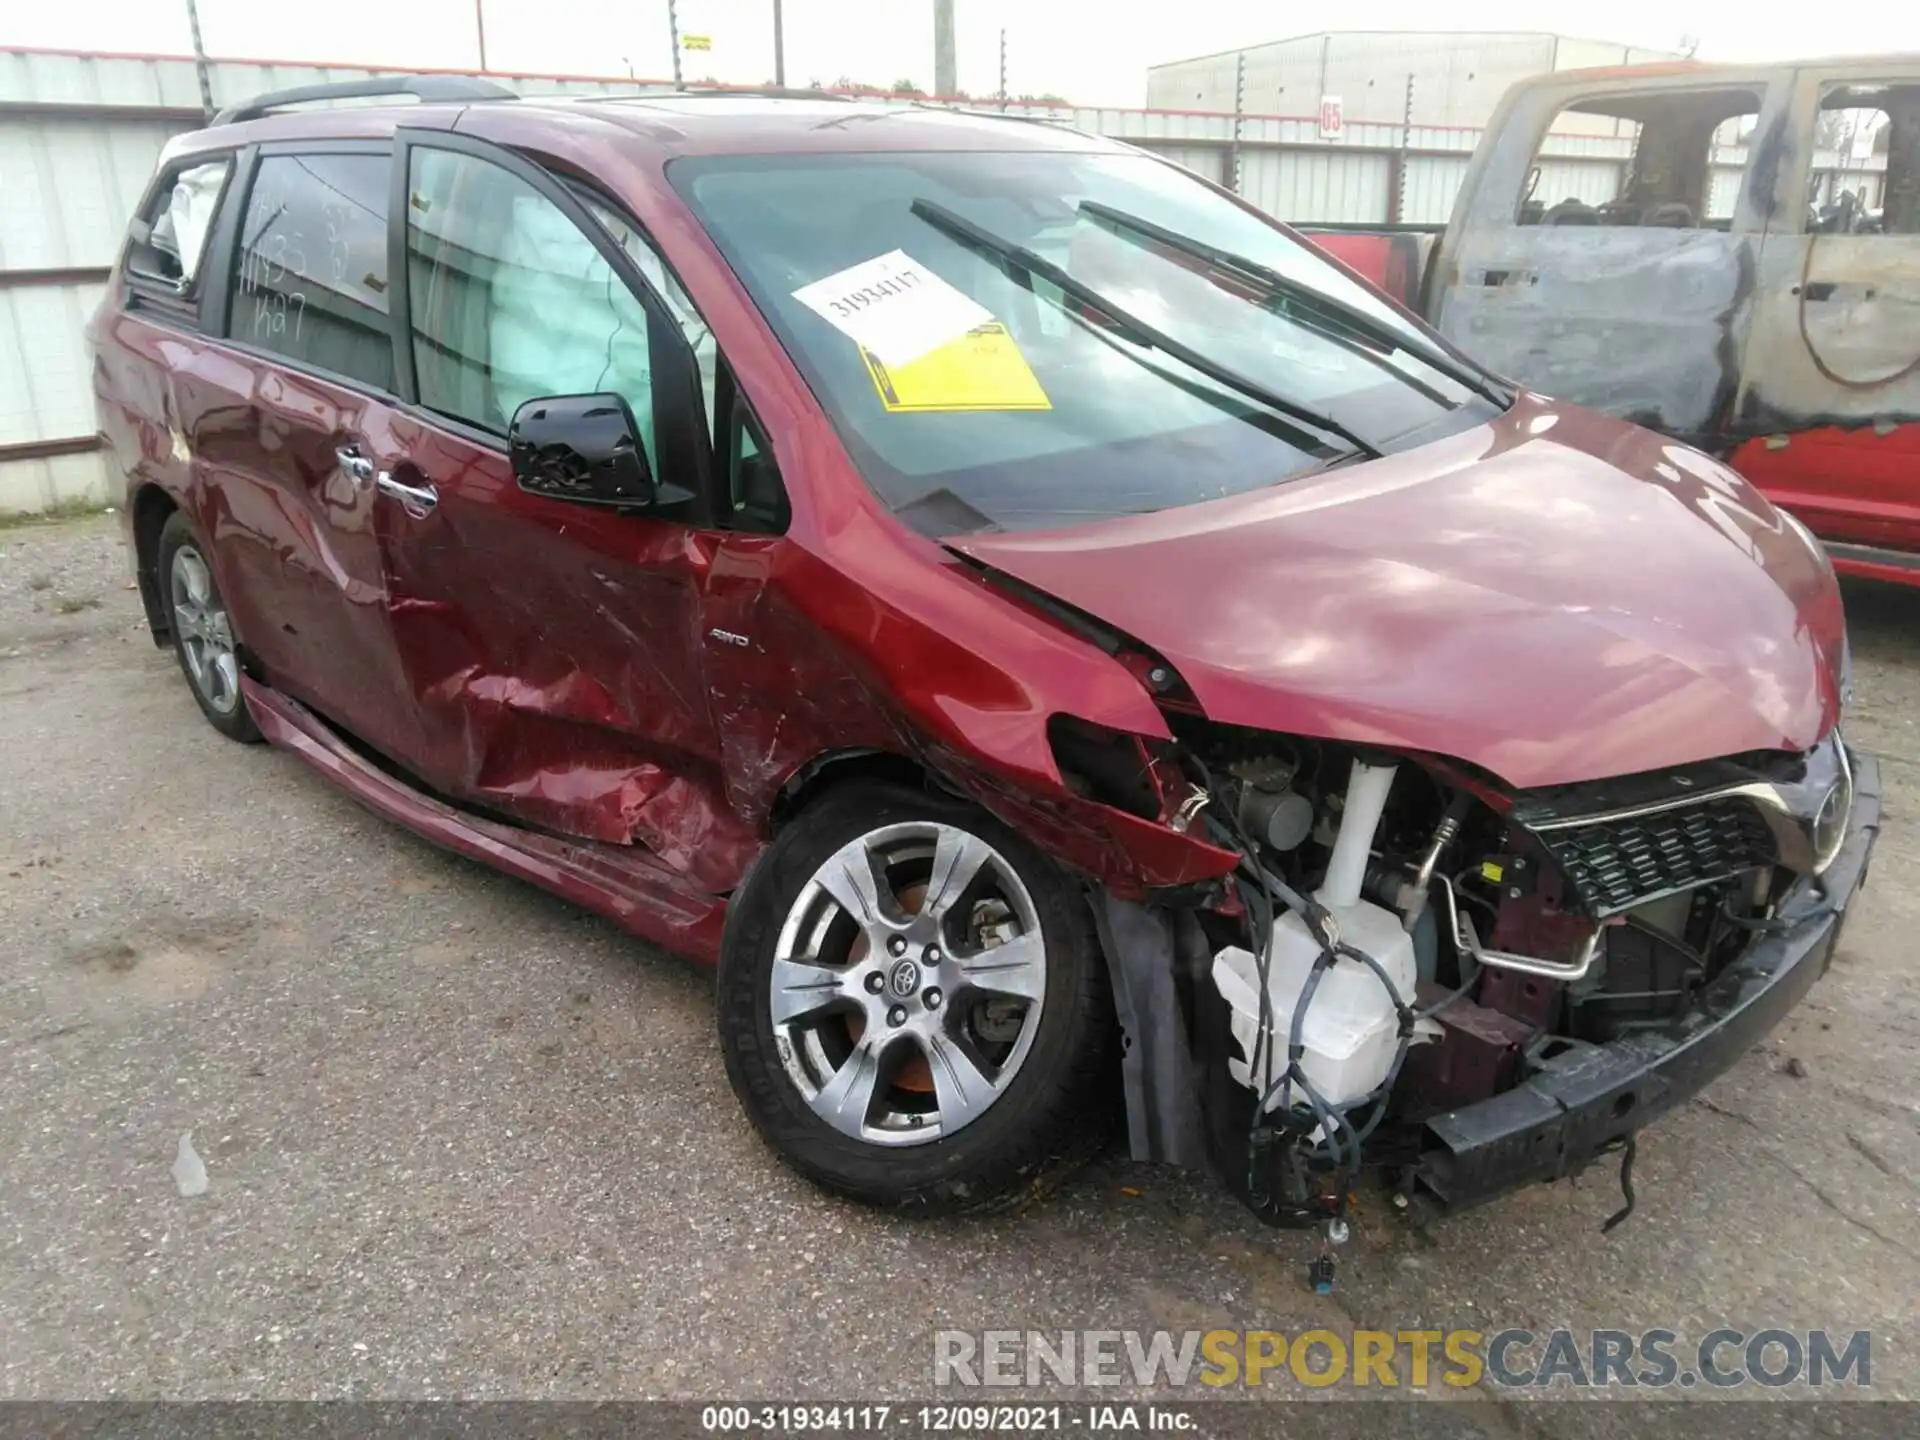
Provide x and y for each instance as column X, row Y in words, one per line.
column 1366, row 802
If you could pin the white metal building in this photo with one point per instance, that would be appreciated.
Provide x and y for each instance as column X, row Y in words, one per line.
column 1456, row 78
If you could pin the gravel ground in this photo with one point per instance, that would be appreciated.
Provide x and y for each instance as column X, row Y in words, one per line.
column 460, row 1139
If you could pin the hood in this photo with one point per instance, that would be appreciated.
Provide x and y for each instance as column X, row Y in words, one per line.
column 1554, row 597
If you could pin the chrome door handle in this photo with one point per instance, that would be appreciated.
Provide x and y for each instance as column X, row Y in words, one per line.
column 355, row 462
column 417, row 500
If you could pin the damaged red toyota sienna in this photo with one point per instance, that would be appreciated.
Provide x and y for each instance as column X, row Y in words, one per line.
column 1049, row 635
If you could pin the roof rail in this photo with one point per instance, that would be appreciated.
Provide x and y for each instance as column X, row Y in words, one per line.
column 425, row 88
column 724, row 92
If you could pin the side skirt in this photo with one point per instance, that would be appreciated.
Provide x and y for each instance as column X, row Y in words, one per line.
column 620, row 882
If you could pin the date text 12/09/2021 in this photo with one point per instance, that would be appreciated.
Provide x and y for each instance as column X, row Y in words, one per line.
column 962, row 1419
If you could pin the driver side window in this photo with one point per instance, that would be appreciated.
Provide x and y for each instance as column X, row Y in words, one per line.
column 510, row 301
column 699, row 338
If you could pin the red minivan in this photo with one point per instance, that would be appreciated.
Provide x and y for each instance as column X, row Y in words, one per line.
column 1054, row 639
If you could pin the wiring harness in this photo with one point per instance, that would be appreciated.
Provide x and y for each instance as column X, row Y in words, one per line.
column 1322, row 1136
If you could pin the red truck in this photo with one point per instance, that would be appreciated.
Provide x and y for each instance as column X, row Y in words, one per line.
column 1750, row 285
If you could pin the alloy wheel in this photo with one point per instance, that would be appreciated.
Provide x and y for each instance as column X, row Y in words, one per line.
column 205, row 633
column 908, row 983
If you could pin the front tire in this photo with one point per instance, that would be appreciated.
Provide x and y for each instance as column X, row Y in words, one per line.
column 203, row 638
column 913, row 1004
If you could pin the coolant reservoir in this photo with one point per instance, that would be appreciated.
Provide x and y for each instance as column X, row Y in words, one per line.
column 1351, row 1028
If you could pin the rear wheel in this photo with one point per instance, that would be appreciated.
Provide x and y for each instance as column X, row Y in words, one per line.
column 913, row 1006
column 203, row 638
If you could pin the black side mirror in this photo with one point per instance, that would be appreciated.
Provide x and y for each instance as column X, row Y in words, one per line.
column 581, row 447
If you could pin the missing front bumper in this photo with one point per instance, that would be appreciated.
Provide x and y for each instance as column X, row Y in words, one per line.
column 1558, row 1121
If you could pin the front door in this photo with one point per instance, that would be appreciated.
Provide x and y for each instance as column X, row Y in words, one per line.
column 1606, row 240
column 1832, row 376
column 553, row 647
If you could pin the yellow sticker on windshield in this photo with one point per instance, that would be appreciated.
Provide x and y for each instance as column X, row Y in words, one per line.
column 982, row 370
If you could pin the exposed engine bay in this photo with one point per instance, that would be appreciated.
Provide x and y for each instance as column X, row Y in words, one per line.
column 1405, row 936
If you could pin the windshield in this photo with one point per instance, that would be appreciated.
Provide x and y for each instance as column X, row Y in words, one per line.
column 1016, row 341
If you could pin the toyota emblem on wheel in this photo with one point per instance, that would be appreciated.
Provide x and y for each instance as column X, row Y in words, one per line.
column 904, row 979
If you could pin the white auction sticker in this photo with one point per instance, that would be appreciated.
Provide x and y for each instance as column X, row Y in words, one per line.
column 893, row 307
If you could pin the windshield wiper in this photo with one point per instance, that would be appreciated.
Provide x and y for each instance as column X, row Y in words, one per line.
column 1357, row 340
column 1139, row 331
column 1329, row 310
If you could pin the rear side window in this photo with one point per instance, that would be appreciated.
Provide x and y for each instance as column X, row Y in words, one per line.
column 1866, row 161
column 169, row 237
column 310, row 271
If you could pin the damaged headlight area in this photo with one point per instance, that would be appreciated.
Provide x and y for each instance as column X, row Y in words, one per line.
column 1405, row 937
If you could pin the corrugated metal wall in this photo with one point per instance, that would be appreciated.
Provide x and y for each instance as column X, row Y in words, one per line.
column 79, row 136
column 1316, row 184
column 1432, row 181
column 67, row 185
column 1457, row 77
column 1586, row 180
column 44, row 387
column 1207, row 161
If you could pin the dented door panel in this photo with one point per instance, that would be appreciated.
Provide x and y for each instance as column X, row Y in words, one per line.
column 296, row 536
column 554, row 655
column 783, row 698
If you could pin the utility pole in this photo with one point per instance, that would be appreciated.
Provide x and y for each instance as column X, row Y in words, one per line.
column 200, row 59
column 779, row 48
column 945, row 82
column 1239, row 112
column 1399, row 214
column 673, row 31
column 1003, row 68
column 480, row 29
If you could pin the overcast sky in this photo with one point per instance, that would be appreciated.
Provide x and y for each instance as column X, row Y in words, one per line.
column 1093, row 51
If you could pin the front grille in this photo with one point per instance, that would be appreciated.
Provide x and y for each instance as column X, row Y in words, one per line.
column 1614, row 865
